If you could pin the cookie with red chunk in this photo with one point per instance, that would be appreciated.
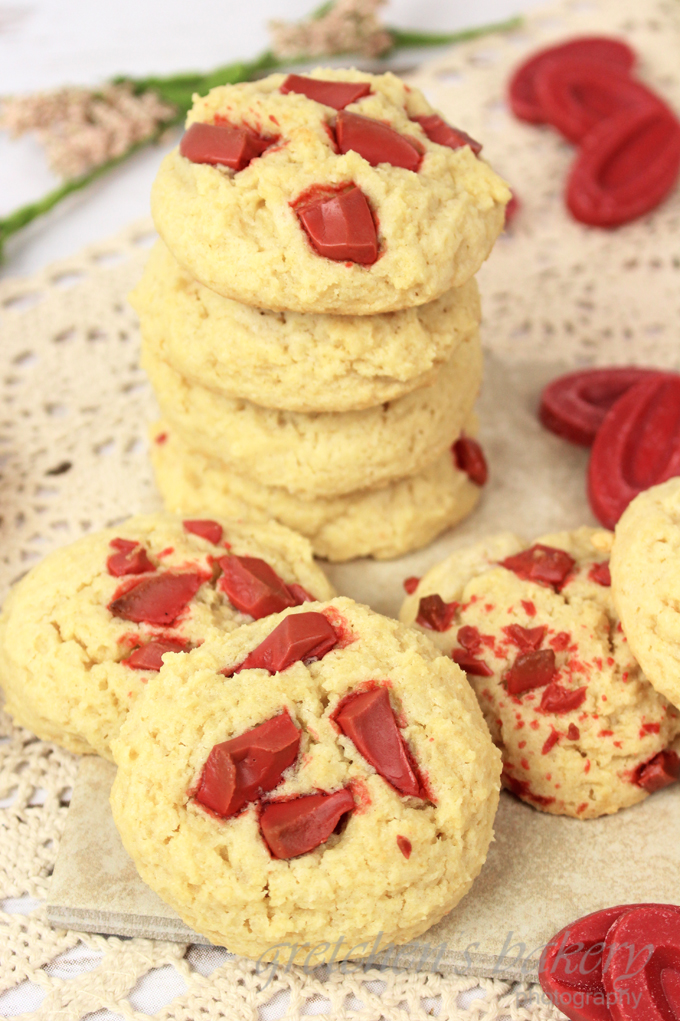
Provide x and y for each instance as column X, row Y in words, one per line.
column 310, row 745
column 582, row 731
column 85, row 630
column 320, row 198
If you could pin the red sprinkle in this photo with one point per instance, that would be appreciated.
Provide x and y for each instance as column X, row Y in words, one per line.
column 404, row 845
column 550, row 742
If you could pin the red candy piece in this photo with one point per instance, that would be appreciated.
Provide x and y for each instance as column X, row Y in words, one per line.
column 626, row 166
column 469, row 637
column 524, row 101
column 335, row 94
column 570, row 969
column 404, row 845
column 468, row 662
column 210, row 530
column 367, row 719
column 577, row 94
column 131, row 558
column 341, row 227
column 659, row 772
column 253, row 587
column 375, row 141
column 557, row 699
column 437, row 130
column 512, row 209
column 300, row 594
column 574, row 406
column 299, row 636
column 435, row 614
column 223, row 145
column 291, row 828
column 543, row 564
column 238, row 771
column 469, row 458
column 150, row 656
column 528, row 639
column 411, row 584
column 157, row 600
column 530, row 670
column 641, row 975
column 637, row 446
column 600, row 574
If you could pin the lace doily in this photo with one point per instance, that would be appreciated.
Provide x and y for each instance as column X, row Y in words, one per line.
column 73, row 455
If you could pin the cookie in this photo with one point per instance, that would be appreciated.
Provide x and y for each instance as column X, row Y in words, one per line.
column 290, row 222
column 645, row 570
column 384, row 840
column 326, row 454
column 582, row 731
column 380, row 523
column 240, row 351
column 83, row 632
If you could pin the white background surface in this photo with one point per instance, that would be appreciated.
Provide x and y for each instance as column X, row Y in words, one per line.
column 49, row 43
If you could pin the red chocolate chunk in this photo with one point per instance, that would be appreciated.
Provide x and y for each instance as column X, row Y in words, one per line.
column 367, row 719
column 210, row 530
column 468, row 662
column 570, row 969
column 404, row 845
column 522, row 93
column 253, row 587
column 335, row 94
column 600, row 574
column 411, row 584
column 550, row 742
column 300, row 594
column 543, row 564
column 659, row 772
column 341, row 227
column 557, row 699
column 294, row 827
column 651, row 980
column 299, row 636
column 469, row 458
column 130, row 558
column 527, row 639
column 435, row 614
column 469, row 637
column 239, row 770
column 573, row 733
column 150, row 656
column 159, row 599
column 375, row 141
column 530, row 670
column 521, row 789
column 625, row 166
column 437, row 130
column 573, row 406
column 512, row 209
column 637, row 446
column 223, row 145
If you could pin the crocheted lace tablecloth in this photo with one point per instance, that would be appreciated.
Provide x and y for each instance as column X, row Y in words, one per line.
column 73, row 457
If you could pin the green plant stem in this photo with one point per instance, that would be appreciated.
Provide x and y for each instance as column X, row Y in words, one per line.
column 178, row 91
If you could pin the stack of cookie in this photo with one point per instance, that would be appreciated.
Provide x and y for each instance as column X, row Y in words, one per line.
column 310, row 318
